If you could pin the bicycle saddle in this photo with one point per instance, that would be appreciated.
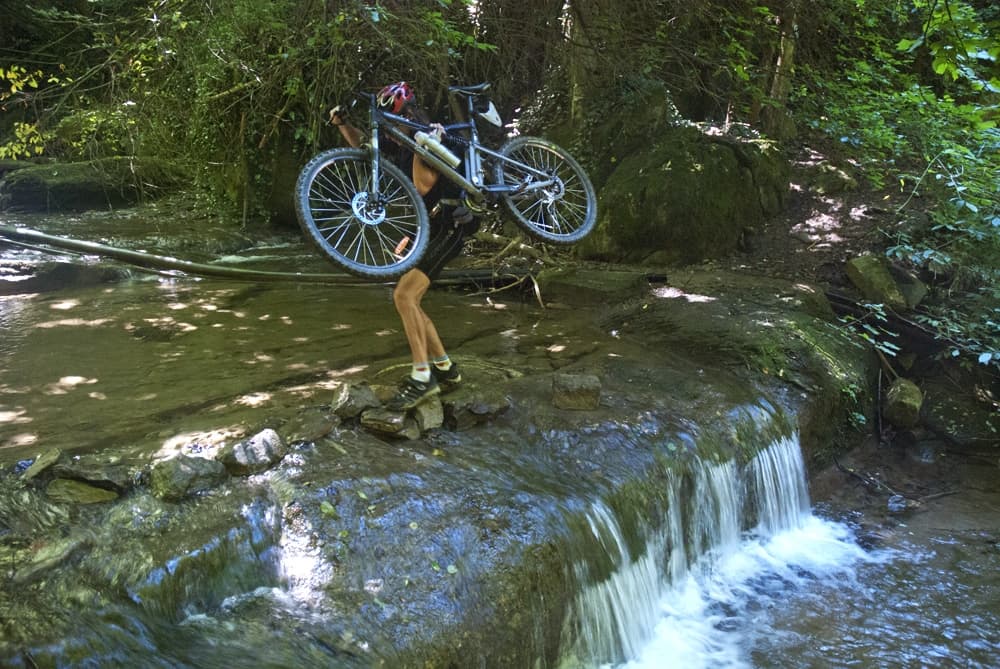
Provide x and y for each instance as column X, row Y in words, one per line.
column 475, row 89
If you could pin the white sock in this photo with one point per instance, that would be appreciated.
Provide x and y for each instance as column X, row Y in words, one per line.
column 421, row 372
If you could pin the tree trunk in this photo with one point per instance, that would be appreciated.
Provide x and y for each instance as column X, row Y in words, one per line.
column 774, row 117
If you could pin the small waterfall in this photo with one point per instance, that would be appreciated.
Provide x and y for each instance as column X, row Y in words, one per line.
column 779, row 487
column 712, row 512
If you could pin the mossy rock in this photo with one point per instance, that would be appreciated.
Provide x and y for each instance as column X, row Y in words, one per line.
column 687, row 197
column 100, row 184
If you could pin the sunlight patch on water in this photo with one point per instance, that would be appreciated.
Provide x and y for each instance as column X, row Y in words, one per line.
column 64, row 305
column 73, row 323
column 671, row 293
column 68, row 383
column 206, row 444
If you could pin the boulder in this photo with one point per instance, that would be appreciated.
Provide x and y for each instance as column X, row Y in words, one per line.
column 86, row 185
column 827, row 179
column 473, row 406
column 99, row 470
column 309, row 425
column 685, row 196
column 429, row 415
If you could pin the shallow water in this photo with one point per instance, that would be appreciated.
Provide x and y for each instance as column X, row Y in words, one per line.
column 147, row 365
column 146, row 362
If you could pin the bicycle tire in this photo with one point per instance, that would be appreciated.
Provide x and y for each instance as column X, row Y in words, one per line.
column 562, row 214
column 372, row 240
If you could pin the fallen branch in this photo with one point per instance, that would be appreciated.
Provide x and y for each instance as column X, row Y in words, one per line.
column 39, row 241
column 509, row 245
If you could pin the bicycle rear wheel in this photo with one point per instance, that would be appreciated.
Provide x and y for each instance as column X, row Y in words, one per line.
column 372, row 236
column 561, row 213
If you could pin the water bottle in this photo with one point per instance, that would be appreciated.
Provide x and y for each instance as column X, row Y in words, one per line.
column 437, row 148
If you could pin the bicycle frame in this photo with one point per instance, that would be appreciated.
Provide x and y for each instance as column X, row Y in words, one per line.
column 473, row 181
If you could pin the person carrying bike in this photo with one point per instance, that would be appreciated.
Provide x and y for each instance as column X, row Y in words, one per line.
column 451, row 223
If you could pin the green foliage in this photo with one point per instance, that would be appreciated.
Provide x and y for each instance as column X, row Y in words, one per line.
column 969, row 327
column 872, row 328
column 17, row 86
column 922, row 112
column 228, row 89
column 962, row 46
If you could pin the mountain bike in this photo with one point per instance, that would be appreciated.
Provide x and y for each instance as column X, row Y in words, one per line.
column 365, row 215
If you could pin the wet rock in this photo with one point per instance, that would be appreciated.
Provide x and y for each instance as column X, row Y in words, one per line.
column 48, row 556
column 49, row 276
column 41, row 463
column 429, row 415
column 253, row 455
column 27, row 511
column 97, row 470
column 583, row 286
column 871, row 276
column 902, row 403
column 309, row 425
column 182, row 476
column 581, row 392
column 350, row 400
column 474, row 406
column 77, row 492
column 392, row 423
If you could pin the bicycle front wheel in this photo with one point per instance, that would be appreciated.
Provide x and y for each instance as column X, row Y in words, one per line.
column 374, row 233
column 564, row 209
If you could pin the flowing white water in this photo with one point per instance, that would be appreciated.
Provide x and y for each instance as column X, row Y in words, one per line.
column 698, row 592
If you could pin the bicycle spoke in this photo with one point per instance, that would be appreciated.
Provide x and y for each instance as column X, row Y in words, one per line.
column 557, row 202
column 357, row 225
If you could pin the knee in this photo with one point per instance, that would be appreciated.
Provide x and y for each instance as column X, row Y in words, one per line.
column 404, row 298
column 409, row 291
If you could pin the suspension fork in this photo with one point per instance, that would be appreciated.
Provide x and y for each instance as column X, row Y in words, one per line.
column 373, row 124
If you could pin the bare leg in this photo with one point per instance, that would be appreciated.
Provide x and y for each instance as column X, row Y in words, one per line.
column 421, row 334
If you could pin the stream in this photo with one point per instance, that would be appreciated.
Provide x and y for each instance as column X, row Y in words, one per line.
column 748, row 568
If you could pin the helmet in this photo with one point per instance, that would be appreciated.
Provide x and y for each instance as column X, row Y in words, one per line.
column 396, row 95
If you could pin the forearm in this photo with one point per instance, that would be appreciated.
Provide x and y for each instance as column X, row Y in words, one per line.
column 350, row 134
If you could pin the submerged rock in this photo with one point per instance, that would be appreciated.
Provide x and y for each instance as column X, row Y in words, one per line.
column 581, row 392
